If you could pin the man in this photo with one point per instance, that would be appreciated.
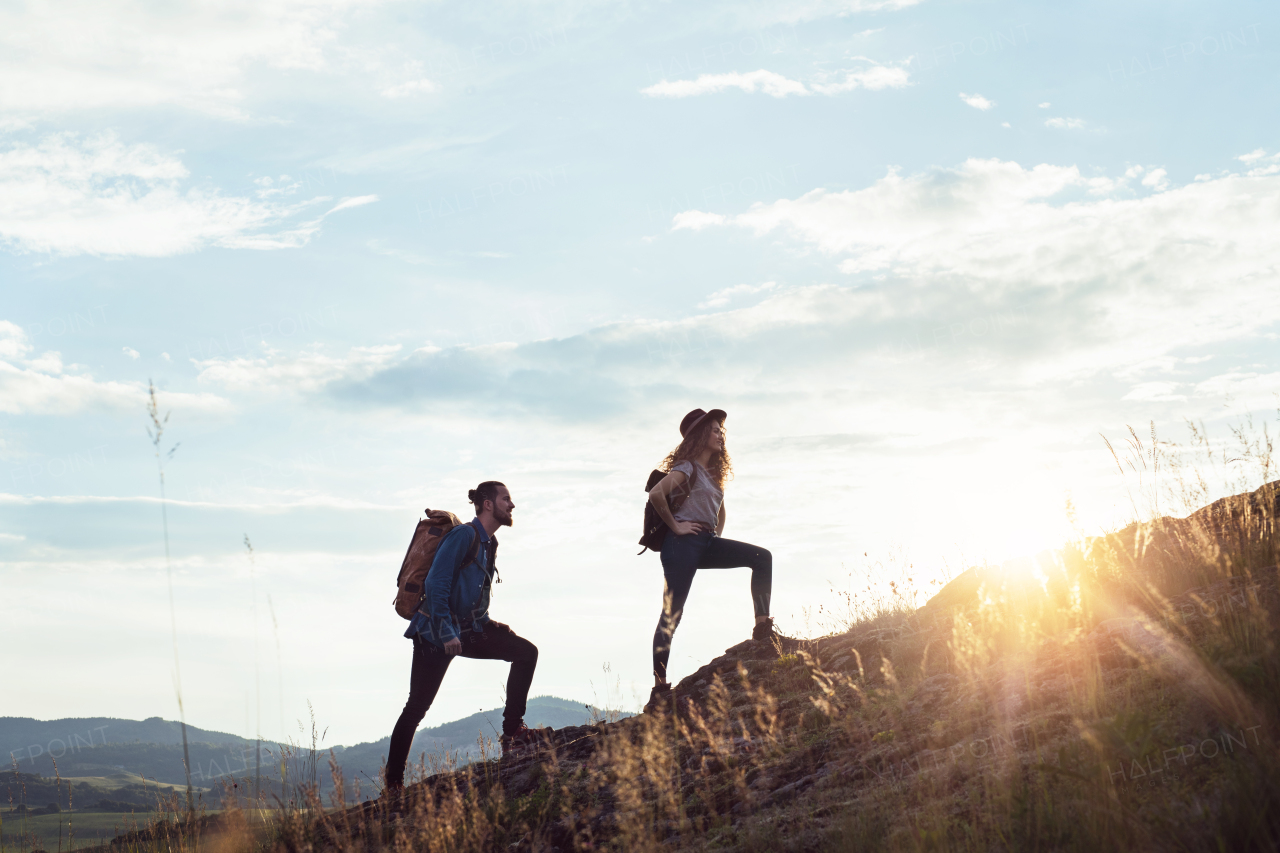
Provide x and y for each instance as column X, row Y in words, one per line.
column 453, row 620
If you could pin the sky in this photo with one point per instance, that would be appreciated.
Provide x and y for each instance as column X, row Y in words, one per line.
column 927, row 255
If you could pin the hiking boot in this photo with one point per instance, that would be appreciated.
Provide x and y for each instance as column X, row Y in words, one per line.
column 658, row 697
column 764, row 631
column 523, row 740
column 391, row 803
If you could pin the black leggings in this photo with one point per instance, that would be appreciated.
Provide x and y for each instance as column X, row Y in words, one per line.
column 682, row 556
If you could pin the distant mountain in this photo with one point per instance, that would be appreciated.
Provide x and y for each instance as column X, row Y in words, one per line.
column 152, row 748
column 21, row 733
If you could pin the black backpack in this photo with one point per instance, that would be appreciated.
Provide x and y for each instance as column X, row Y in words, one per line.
column 655, row 529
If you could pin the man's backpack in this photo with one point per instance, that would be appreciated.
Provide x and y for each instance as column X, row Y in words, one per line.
column 655, row 529
column 427, row 537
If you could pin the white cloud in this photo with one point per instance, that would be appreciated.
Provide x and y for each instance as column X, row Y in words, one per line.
column 86, row 54
column 1065, row 123
column 871, row 76
column 754, row 81
column 132, row 353
column 97, row 195
column 1245, row 388
column 1261, row 162
column 1157, row 179
column 977, row 101
column 724, row 296
column 358, row 201
column 305, row 372
column 1182, row 265
column 13, row 341
column 1045, row 105
column 874, row 76
column 696, row 220
column 1156, row 392
column 755, row 14
column 411, row 87
column 40, row 386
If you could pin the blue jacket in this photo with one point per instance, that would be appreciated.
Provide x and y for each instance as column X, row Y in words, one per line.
column 456, row 595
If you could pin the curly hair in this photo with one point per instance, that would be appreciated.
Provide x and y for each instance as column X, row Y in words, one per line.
column 719, row 466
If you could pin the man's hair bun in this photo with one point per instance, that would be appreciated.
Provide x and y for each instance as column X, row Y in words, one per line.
column 486, row 491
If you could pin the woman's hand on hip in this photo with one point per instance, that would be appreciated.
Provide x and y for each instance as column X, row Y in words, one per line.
column 686, row 528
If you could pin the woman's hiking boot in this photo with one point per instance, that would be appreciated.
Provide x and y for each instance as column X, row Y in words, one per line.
column 523, row 739
column 763, row 631
column 659, row 697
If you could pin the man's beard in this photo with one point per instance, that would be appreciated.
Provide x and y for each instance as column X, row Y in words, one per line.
column 503, row 519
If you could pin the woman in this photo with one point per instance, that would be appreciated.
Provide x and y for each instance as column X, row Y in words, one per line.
column 698, row 468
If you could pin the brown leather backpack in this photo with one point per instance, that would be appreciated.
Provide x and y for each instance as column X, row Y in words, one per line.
column 427, row 537
column 655, row 529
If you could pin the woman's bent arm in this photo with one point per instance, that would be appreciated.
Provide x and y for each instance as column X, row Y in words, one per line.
column 720, row 520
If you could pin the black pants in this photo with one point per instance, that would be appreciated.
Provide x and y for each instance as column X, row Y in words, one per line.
column 430, row 662
column 682, row 556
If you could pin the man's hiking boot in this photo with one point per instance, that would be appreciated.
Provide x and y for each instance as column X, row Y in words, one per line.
column 392, row 802
column 523, row 739
column 659, row 697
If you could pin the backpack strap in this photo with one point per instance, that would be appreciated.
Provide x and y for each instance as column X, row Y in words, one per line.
column 466, row 557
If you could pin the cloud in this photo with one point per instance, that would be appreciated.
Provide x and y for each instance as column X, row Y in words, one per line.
column 977, row 101
column 1195, row 260
column 411, row 87
column 358, row 201
column 132, row 353
column 302, row 372
column 97, row 195
column 1045, row 105
column 43, row 386
column 723, row 297
column 872, row 76
column 1065, row 123
column 762, row 81
column 978, row 288
column 696, row 220
column 1262, row 163
column 88, row 55
column 754, row 14
column 1156, row 392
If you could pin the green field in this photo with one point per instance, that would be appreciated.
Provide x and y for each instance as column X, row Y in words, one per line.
column 41, row 832
column 119, row 780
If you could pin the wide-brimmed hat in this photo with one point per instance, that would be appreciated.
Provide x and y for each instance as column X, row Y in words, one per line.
column 695, row 417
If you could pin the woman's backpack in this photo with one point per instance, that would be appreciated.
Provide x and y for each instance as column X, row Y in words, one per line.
column 655, row 529
column 427, row 537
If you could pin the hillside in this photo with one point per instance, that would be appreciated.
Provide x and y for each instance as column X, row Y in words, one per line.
column 1124, row 696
